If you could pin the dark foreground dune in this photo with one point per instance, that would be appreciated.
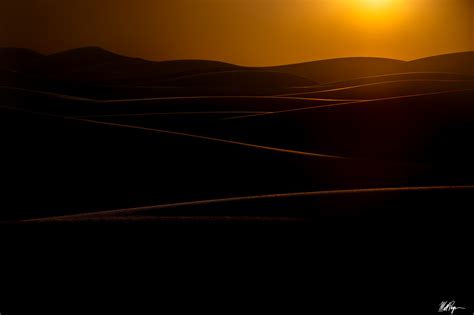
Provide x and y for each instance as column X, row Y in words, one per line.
column 57, row 166
column 426, row 128
column 384, row 204
column 61, row 165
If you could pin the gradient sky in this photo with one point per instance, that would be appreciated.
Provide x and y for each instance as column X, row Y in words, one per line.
column 247, row 32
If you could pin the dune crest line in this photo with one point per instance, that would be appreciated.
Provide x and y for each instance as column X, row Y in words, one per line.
column 219, row 97
column 138, row 210
column 175, row 113
column 368, row 84
column 351, row 103
column 175, row 133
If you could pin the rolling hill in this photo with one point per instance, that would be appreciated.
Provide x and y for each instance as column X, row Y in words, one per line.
column 92, row 68
column 462, row 63
column 19, row 59
column 325, row 71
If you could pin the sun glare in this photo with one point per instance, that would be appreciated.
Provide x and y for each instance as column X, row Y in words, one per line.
column 376, row 3
column 378, row 13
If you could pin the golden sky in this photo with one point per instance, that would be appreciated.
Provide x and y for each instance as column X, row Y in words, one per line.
column 246, row 32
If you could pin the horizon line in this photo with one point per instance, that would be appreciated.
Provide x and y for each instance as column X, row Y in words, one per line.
column 232, row 63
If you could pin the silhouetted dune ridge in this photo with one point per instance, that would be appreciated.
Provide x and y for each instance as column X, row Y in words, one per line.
column 97, row 65
column 19, row 59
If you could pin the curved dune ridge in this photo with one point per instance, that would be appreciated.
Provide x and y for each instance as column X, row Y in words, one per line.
column 98, row 65
column 444, row 76
column 468, row 92
column 77, row 106
column 269, row 202
column 325, row 71
column 387, row 89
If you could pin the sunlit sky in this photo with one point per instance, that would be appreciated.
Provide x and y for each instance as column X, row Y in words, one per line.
column 246, row 32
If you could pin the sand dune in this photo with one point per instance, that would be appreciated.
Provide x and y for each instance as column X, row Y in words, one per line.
column 241, row 78
column 18, row 59
column 69, row 105
column 91, row 61
column 315, row 206
column 317, row 155
column 445, row 76
column 93, row 72
column 431, row 128
column 126, row 167
column 387, row 89
column 462, row 63
column 89, row 130
column 330, row 70
column 94, row 64
column 88, row 62
column 343, row 102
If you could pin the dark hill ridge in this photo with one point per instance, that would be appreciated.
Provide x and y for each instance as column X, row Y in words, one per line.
column 341, row 68
column 18, row 58
column 331, row 70
column 92, row 60
column 84, row 57
column 98, row 66
column 462, row 63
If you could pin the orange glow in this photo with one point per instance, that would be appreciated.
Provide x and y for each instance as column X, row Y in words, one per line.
column 247, row 32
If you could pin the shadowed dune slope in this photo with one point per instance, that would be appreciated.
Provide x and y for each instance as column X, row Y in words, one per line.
column 389, row 89
column 94, row 64
column 408, row 76
column 242, row 78
column 19, row 59
column 390, row 203
column 57, row 104
column 66, row 155
column 95, row 72
column 71, row 166
column 430, row 129
column 325, row 71
column 9, row 78
column 462, row 63
column 125, row 167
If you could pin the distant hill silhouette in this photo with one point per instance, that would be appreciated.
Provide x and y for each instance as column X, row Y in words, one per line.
column 331, row 70
column 341, row 68
column 97, row 64
column 462, row 63
column 77, row 59
column 94, row 66
column 19, row 59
